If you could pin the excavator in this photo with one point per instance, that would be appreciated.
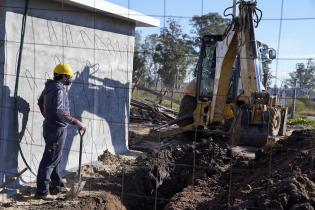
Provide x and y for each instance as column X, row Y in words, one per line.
column 227, row 94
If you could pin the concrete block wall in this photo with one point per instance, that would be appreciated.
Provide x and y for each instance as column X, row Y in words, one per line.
column 98, row 47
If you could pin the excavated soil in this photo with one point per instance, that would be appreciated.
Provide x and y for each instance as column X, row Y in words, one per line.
column 281, row 177
column 204, row 175
column 86, row 201
column 162, row 174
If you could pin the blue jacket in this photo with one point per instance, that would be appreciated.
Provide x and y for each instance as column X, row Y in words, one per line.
column 54, row 105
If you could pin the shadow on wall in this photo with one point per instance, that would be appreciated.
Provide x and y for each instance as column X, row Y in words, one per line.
column 108, row 101
column 9, row 134
column 9, row 146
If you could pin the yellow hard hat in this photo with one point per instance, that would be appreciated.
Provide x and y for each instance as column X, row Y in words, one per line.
column 64, row 69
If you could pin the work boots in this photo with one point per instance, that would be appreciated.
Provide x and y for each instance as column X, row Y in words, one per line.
column 58, row 190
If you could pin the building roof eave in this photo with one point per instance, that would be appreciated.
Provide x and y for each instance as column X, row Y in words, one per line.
column 107, row 8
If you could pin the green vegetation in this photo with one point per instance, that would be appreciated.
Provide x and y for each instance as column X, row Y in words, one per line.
column 303, row 76
column 166, row 58
column 145, row 96
column 142, row 95
column 302, row 121
column 304, row 107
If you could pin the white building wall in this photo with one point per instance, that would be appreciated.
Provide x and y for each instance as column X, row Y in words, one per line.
column 99, row 49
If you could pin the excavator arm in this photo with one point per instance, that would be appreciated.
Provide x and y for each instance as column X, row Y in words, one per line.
column 251, row 118
column 239, row 43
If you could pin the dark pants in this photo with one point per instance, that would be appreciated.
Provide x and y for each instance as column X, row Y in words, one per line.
column 48, row 171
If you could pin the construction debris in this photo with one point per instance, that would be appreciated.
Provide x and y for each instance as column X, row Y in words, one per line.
column 150, row 111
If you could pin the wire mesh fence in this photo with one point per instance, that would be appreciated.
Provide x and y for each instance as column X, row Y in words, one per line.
column 186, row 171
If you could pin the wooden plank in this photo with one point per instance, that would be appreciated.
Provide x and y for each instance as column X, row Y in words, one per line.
column 156, row 111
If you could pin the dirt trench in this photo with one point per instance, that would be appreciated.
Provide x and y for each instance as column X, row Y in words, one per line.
column 162, row 174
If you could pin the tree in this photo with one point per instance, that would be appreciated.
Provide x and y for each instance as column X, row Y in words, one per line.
column 138, row 61
column 211, row 23
column 304, row 76
column 144, row 68
column 173, row 54
column 149, row 50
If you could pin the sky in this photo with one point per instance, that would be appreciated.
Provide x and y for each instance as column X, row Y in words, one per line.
column 297, row 37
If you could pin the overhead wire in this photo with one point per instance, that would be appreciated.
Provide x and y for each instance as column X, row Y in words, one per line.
column 161, row 16
column 276, row 76
column 279, row 40
column 22, row 41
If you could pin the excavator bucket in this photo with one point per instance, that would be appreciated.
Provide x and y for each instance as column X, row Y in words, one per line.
column 247, row 134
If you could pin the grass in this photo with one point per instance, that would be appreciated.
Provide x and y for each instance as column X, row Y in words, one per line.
column 302, row 121
column 304, row 111
column 304, row 107
column 142, row 95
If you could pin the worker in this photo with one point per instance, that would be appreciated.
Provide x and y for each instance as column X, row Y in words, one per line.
column 54, row 106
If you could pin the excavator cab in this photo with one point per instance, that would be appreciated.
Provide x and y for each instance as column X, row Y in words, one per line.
column 195, row 105
column 205, row 71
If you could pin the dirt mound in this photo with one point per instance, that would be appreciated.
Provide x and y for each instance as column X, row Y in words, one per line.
column 108, row 158
column 162, row 174
column 103, row 201
column 282, row 177
column 287, row 176
column 99, row 201
column 86, row 201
